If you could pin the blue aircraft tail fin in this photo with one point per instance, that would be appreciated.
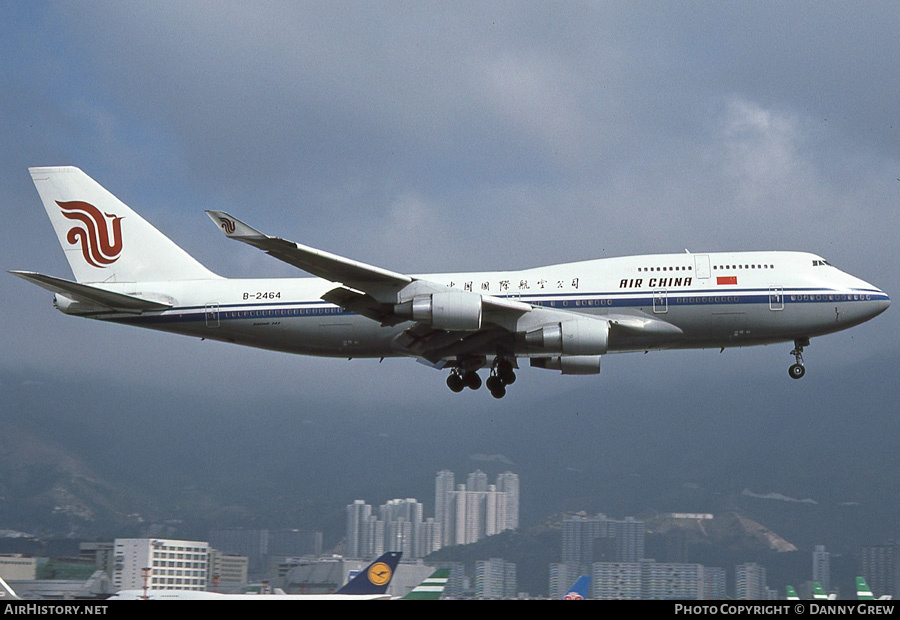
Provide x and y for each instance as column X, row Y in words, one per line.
column 375, row 578
column 579, row 591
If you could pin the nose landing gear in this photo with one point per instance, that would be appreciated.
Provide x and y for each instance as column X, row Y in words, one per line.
column 797, row 370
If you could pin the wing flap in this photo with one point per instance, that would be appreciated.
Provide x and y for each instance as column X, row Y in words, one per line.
column 363, row 304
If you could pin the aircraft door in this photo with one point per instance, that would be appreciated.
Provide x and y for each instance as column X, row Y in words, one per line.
column 212, row 315
column 701, row 266
column 776, row 298
column 660, row 302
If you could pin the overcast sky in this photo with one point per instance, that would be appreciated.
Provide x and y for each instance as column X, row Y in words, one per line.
column 446, row 136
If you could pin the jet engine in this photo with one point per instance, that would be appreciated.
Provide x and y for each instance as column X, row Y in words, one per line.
column 575, row 337
column 569, row 364
column 452, row 310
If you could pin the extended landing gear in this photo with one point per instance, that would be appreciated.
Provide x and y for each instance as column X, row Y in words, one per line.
column 502, row 374
column 797, row 370
column 457, row 380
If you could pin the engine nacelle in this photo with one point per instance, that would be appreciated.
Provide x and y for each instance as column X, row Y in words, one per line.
column 569, row 365
column 452, row 310
column 575, row 337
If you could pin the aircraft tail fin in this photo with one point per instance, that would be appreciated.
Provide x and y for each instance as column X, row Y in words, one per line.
column 7, row 593
column 579, row 590
column 792, row 594
column 103, row 239
column 430, row 589
column 818, row 593
column 375, row 578
column 864, row 592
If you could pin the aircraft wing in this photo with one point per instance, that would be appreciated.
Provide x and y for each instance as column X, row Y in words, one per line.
column 92, row 295
column 368, row 290
column 317, row 262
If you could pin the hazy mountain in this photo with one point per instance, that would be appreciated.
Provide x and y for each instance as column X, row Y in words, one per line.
column 815, row 465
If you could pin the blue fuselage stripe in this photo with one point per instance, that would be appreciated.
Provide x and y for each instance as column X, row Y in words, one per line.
column 567, row 301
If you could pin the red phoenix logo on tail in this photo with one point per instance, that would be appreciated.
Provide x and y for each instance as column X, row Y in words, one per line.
column 99, row 247
column 227, row 225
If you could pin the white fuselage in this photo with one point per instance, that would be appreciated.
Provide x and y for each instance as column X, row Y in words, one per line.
column 703, row 300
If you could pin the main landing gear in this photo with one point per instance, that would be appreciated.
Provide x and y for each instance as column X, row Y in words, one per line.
column 502, row 374
column 797, row 370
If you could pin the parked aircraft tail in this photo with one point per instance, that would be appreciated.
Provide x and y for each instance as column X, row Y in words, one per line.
column 7, row 593
column 579, row 590
column 864, row 592
column 430, row 589
column 818, row 593
column 103, row 239
column 791, row 594
column 375, row 578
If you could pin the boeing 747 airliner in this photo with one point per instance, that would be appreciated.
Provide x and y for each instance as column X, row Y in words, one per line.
column 561, row 317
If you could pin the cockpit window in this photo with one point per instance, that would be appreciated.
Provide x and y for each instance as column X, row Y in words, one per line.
column 819, row 263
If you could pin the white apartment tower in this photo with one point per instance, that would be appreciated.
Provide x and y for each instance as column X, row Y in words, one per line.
column 476, row 509
column 172, row 564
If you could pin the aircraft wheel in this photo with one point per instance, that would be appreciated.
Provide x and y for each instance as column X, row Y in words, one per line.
column 499, row 392
column 472, row 380
column 508, row 377
column 455, row 382
column 493, row 383
column 796, row 371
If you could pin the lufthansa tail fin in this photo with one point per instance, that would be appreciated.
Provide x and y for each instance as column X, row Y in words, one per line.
column 103, row 239
column 375, row 578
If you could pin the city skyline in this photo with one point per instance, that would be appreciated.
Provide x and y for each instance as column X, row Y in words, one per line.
column 464, row 514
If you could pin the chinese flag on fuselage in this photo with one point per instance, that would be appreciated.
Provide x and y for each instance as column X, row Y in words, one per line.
column 726, row 280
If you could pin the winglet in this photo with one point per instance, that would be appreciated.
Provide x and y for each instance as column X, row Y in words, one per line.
column 233, row 227
column 375, row 578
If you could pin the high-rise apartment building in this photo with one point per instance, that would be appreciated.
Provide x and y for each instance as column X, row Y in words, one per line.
column 495, row 578
column 358, row 514
column 879, row 565
column 750, row 582
column 821, row 567
column 444, row 485
column 169, row 564
column 588, row 539
column 476, row 509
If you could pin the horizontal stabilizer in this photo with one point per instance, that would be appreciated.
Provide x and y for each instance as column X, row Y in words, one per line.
column 92, row 295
